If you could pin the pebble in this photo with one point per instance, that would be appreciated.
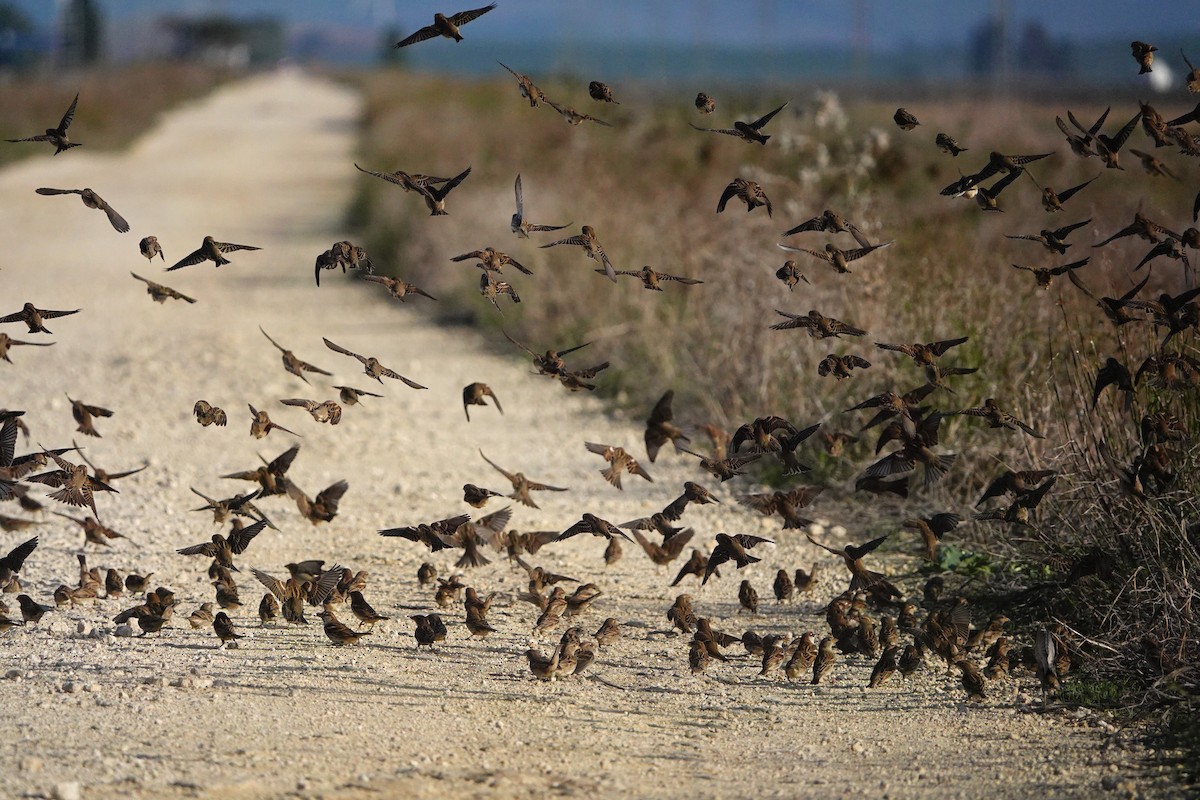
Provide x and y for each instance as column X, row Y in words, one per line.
column 71, row 790
column 123, row 631
column 83, row 628
column 14, row 675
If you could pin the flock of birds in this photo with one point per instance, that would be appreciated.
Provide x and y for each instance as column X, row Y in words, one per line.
column 872, row 618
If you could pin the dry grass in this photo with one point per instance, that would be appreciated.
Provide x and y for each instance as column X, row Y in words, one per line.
column 650, row 187
column 115, row 105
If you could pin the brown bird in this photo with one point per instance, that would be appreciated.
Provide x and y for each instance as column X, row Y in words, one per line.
column 520, row 226
column 1055, row 240
column 271, row 475
column 473, row 394
column 746, row 131
column 338, row 632
column 57, row 136
column 528, row 90
column 430, row 629
column 93, row 531
column 223, row 550
column 786, row 504
column 160, row 293
column 619, row 461
column 75, row 486
column 491, row 288
column 972, row 679
column 149, row 248
column 750, row 192
column 1053, row 201
column 322, row 508
column 223, row 627
column 695, row 565
column 783, row 586
column 291, row 363
column 83, row 414
column 1143, row 54
column 261, row 424
column 835, row 257
column 596, row 526
column 861, row 579
column 327, row 411
column 7, row 342
column 748, row 597
column 932, row 529
column 885, row 667
column 433, row 535
column 349, row 395
column 210, row 250
column 946, row 144
column 601, row 92
column 207, row 414
column 364, row 612
column 650, row 278
column 841, row 366
column 201, row 617
column 594, row 250
column 522, row 486
column 830, row 222
column 268, row 608
column 476, row 496
column 660, row 429
column 1108, row 147
column 1046, row 275
column 698, row 657
column 824, row 660
column 692, row 493
column 998, row 417
column 818, row 325
column 1015, row 482
column 732, row 548
column 724, row 468
column 904, row 119
column 371, row 366
column 791, row 275
column 445, row 26
column 574, row 117
column 705, row 104
column 398, row 289
column 492, row 260
column 93, row 200
column 34, row 317
column 11, row 563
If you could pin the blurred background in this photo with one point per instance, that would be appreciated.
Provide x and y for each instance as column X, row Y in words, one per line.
column 1056, row 45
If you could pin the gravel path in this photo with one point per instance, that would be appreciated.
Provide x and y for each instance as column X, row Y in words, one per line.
column 267, row 162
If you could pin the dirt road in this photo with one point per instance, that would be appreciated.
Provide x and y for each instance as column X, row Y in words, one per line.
column 268, row 162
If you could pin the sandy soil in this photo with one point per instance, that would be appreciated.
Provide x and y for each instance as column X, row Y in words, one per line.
column 267, row 162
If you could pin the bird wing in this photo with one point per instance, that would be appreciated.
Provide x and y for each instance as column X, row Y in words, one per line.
column 439, row 193
column 68, row 117
column 765, row 118
column 205, row 549
column 387, row 176
column 227, row 247
column 511, row 476
column 858, row 551
column 48, row 191
column 762, row 503
column 1122, row 136
column 330, row 495
column 578, row 240
column 339, row 349
column 307, row 405
column 191, row 259
column 116, row 220
column 463, row 17
column 428, row 32
column 16, row 557
column 517, row 182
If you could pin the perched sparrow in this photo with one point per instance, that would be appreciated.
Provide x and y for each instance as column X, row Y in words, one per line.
column 824, row 660
column 223, row 627
column 363, row 611
column 339, row 634
column 748, row 597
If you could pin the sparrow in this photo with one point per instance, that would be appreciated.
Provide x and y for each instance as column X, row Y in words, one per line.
column 371, row 366
column 31, row 611
column 750, row 192
column 324, row 507
column 601, row 92
column 83, row 414
column 1143, row 54
column 841, row 366
column 608, row 633
column 363, row 611
column 433, row 535
column 520, row 226
column 149, row 248
column 160, row 293
column 528, row 90
column 261, row 424
column 429, row 629
column 670, row 548
column 272, row 475
column 660, row 429
column 804, row 653
column 1153, row 165
column 444, row 26
column 932, row 529
column 207, row 414
column 93, row 531
column 291, row 363
column 786, row 504
column 746, row 131
column 327, row 411
column 705, row 104
column 748, row 597
column 75, row 486
column 972, row 679
column 491, row 288
column 210, row 250
column 650, row 278
column 998, row 417
column 824, row 660
column 427, row 574
column 724, row 468
column 93, row 200
column 238, row 505
column 1053, row 201
column 861, row 579
column 594, row 250
column 791, row 275
column 619, row 461
column 885, row 667
column 293, row 593
column 695, row 565
column 1055, row 240
column 34, row 317
column 347, row 255
column 435, row 196
column 574, row 117
column 732, row 548
column 818, row 325
column 698, row 657
column 338, row 632
column 223, row 627
column 594, row 525
column 1108, row 147
column 492, row 260
column 830, row 222
column 946, row 144
column 201, row 617
column 904, row 119
column 1046, row 275
column 57, row 136
column 1015, row 482
column 349, row 395
column 476, row 496
column 477, row 624
column 223, row 550
column 836, row 258
column 543, row 667
column 522, row 486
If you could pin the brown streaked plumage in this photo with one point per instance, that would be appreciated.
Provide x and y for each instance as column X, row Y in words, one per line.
column 261, row 424
column 818, row 325
column 397, row 288
column 223, row 550
column 830, row 222
column 33, row 317
column 601, row 92
column 291, row 363
column 660, row 428
column 92, row 200
column 791, row 275
column 83, row 414
column 594, row 525
column 528, row 89
column 786, row 504
column 271, row 475
column 522, row 486
column 149, row 248
column 732, row 548
column 824, row 660
column 998, row 417
column 749, row 192
column 1055, row 240
column 1046, row 275
column 746, row 131
column 57, row 136
column 705, row 104
column 492, row 260
column 207, row 414
column 861, row 579
column 947, row 144
column 650, row 278
column 841, row 366
column 327, row 411
column 592, row 247
column 444, row 26
column 491, row 288
column 338, row 632
column 322, row 508
column 210, row 250
column 349, row 395
column 223, row 627
column 1143, row 53
column 932, row 529
column 574, row 117
column 1053, row 201
column 522, row 227
column 835, row 257
column 363, row 611
column 160, row 293
column 371, row 366
column 619, row 461
column 904, row 119
column 75, row 486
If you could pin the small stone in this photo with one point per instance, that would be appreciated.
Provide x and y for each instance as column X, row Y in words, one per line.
column 70, row 790
column 857, row 747
column 72, row 687
column 123, row 631
column 83, row 628
column 14, row 675
column 59, row 627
